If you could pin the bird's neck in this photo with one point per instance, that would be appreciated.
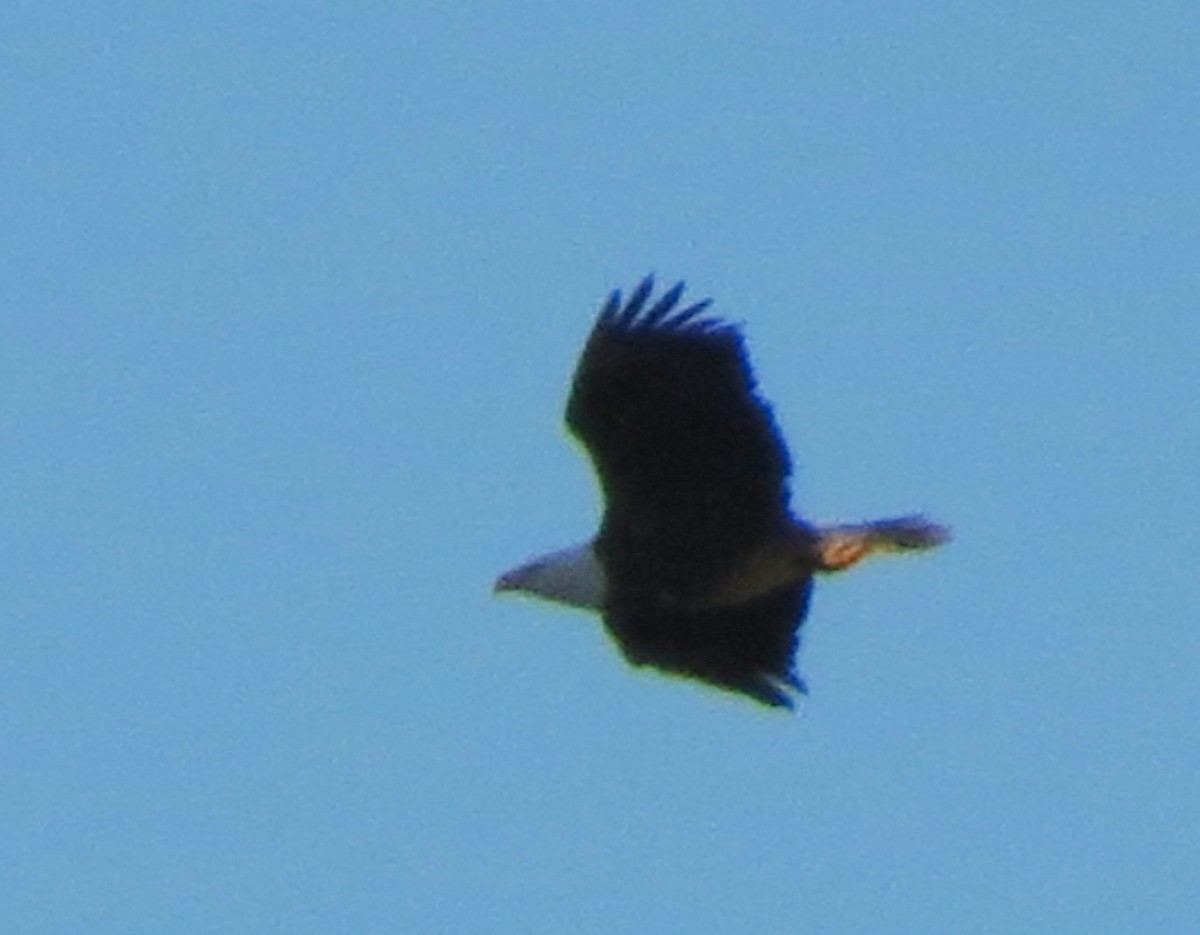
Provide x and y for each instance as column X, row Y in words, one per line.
column 575, row 577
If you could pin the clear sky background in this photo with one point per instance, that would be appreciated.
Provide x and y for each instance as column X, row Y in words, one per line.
column 291, row 295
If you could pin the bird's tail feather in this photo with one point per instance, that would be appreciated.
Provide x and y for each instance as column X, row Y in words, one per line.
column 842, row 546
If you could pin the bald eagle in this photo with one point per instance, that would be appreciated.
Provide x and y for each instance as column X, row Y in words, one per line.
column 699, row 568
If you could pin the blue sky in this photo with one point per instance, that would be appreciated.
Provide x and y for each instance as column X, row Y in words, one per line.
column 292, row 294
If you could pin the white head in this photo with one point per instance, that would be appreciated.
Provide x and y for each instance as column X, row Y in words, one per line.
column 571, row 576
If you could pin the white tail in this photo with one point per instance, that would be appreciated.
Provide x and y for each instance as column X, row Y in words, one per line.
column 840, row 547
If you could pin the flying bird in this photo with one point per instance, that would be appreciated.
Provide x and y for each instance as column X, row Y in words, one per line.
column 699, row 569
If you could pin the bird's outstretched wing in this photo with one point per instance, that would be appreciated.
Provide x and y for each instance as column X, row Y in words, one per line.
column 690, row 461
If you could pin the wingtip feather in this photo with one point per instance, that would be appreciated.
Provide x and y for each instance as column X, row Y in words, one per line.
column 636, row 301
column 663, row 306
